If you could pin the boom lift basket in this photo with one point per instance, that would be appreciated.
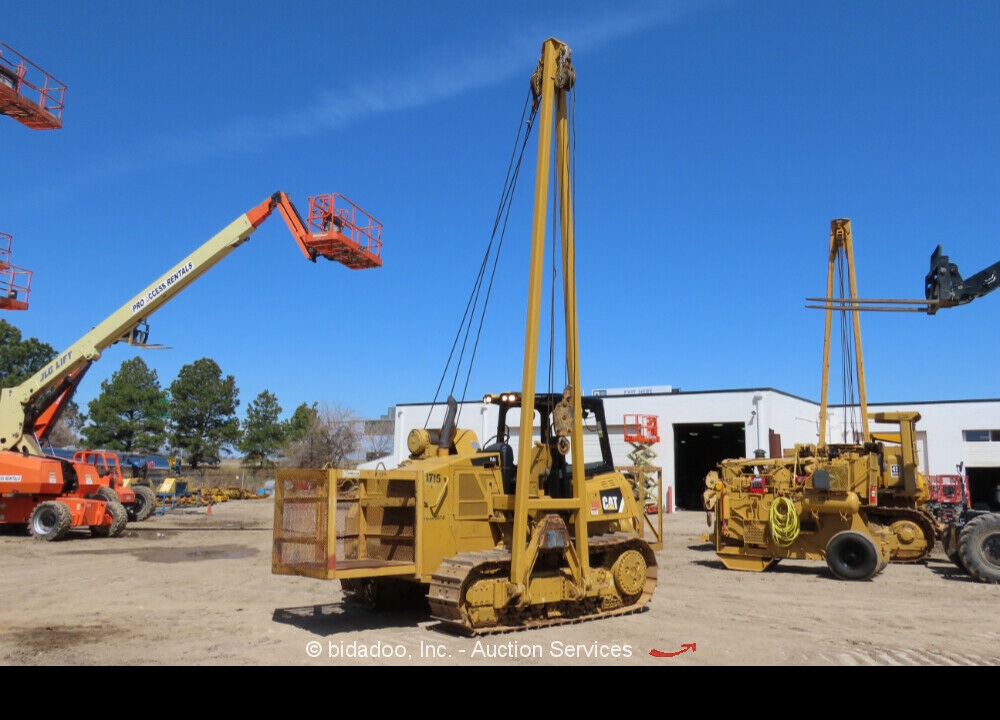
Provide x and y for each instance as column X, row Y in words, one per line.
column 642, row 429
column 342, row 231
column 15, row 282
column 29, row 94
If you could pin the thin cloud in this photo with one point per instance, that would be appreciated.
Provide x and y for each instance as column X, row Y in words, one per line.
column 425, row 82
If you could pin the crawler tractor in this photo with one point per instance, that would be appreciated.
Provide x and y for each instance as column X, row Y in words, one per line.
column 443, row 525
column 492, row 539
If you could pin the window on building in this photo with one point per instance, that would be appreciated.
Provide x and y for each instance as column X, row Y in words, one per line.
column 981, row 435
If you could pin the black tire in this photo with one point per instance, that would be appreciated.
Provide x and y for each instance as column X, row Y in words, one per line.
column 144, row 505
column 106, row 494
column 50, row 521
column 853, row 555
column 119, row 519
column 949, row 543
column 979, row 548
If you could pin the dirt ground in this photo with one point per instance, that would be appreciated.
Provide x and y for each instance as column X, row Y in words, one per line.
column 192, row 587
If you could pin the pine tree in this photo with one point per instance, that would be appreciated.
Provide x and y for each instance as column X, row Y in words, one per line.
column 203, row 420
column 129, row 414
column 19, row 358
column 263, row 433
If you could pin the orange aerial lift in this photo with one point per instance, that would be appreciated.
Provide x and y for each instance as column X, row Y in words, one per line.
column 29, row 94
column 642, row 432
column 15, row 282
column 641, row 429
column 52, row 495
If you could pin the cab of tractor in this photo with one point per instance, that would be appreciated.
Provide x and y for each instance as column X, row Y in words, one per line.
column 553, row 423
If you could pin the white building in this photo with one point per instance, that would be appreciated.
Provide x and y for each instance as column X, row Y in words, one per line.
column 698, row 429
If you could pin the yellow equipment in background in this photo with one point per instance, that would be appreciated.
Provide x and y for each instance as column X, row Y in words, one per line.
column 857, row 505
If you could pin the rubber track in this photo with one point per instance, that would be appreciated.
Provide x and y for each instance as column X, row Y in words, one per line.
column 886, row 515
column 447, row 585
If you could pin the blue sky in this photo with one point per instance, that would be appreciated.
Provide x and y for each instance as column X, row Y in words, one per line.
column 714, row 143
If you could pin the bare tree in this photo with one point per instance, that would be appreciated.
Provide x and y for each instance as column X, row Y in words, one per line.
column 333, row 438
column 378, row 438
column 66, row 432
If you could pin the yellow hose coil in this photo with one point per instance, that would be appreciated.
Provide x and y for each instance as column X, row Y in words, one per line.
column 784, row 521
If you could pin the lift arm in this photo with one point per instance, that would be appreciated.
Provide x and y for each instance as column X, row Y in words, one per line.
column 30, row 407
column 842, row 255
column 292, row 218
column 945, row 287
column 552, row 80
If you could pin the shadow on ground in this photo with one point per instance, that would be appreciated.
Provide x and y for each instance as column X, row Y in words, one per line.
column 334, row 618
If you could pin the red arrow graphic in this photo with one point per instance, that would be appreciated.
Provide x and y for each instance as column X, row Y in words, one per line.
column 693, row 647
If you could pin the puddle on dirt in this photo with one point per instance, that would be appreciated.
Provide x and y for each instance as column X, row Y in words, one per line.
column 148, row 534
column 176, row 555
column 37, row 640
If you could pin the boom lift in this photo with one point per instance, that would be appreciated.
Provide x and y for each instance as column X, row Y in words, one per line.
column 27, row 93
column 53, row 495
column 491, row 544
